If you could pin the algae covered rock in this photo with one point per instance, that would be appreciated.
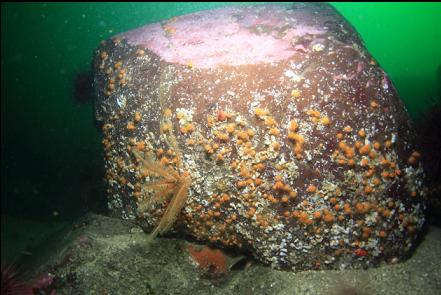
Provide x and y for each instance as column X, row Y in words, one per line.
column 266, row 128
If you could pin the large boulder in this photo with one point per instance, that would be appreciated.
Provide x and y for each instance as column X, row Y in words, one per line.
column 267, row 128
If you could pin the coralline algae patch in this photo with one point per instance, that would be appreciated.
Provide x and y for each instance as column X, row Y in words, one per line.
column 232, row 35
column 307, row 161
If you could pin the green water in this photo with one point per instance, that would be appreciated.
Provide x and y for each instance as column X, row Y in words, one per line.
column 51, row 152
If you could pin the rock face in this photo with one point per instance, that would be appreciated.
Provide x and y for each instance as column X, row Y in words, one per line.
column 268, row 128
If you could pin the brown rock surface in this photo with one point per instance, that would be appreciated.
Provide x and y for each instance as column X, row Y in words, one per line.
column 268, row 128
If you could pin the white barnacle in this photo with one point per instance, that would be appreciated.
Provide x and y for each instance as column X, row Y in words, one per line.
column 318, row 47
column 394, row 138
column 184, row 116
column 290, row 74
column 121, row 101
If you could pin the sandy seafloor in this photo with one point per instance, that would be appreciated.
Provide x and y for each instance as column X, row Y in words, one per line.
column 102, row 255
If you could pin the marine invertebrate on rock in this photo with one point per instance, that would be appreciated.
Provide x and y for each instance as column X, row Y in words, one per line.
column 259, row 145
column 13, row 282
column 211, row 261
column 172, row 182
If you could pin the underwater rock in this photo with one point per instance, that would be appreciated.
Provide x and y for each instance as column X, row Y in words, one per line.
column 266, row 128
